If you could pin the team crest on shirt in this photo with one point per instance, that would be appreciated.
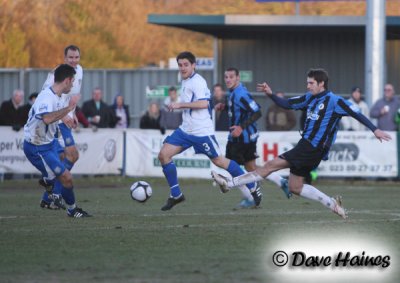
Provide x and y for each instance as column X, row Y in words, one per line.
column 312, row 116
column 43, row 108
column 321, row 106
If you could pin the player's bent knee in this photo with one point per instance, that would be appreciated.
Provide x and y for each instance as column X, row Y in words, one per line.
column 72, row 153
column 66, row 179
column 163, row 157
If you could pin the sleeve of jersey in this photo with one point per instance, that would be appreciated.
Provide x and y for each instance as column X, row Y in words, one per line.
column 42, row 107
column 249, row 104
column 345, row 108
column 200, row 91
column 299, row 102
column 49, row 81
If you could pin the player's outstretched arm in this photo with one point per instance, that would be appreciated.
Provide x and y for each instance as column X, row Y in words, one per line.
column 381, row 135
column 200, row 104
column 264, row 87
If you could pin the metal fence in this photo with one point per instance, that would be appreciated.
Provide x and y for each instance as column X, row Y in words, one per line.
column 131, row 83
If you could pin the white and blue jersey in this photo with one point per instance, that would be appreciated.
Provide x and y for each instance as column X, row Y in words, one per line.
column 197, row 122
column 40, row 146
column 35, row 130
column 197, row 127
column 241, row 106
column 66, row 133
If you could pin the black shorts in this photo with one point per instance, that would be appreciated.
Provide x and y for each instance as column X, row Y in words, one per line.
column 303, row 158
column 241, row 152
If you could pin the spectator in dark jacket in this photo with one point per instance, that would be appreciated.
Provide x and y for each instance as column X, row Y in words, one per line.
column 13, row 112
column 97, row 111
column 151, row 119
column 121, row 111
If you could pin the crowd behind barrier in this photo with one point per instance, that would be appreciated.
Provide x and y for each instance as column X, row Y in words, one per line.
column 133, row 152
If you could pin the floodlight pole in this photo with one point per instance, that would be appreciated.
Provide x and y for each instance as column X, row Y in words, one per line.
column 375, row 50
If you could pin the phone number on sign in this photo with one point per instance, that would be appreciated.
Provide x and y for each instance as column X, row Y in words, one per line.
column 360, row 168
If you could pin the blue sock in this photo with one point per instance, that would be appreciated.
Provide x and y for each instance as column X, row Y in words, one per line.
column 68, row 195
column 170, row 173
column 45, row 195
column 235, row 170
column 68, row 164
column 46, row 198
column 57, row 188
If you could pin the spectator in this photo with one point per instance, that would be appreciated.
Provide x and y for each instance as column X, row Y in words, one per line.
column 350, row 124
column 221, row 116
column 97, row 111
column 151, row 119
column 170, row 119
column 81, row 117
column 13, row 112
column 121, row 111
column 280, row 119
column 32, row 99
column 385, row 109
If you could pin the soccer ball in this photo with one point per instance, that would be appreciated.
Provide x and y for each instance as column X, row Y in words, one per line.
column 141, row 191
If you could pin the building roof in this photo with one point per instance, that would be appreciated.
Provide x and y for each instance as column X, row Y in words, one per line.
column 223, row 26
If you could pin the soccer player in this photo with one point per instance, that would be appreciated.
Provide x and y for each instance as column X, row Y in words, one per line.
column 67, row 148
column 243, row 113
column 40, row 144
column 324, row 110
column 197, row 130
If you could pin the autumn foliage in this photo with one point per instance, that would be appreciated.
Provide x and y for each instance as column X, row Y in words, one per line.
column 115, row 33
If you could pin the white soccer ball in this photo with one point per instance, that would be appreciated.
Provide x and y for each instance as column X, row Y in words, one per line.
column 141, row 191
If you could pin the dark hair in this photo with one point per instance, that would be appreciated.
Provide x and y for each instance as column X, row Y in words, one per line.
column 232, row 69
column 356, row 88
column 33, row 95
column 172, row 88
column 62, row 72
column 71, row 47
column 218, row 85
column 186, row 55
column 320, row 75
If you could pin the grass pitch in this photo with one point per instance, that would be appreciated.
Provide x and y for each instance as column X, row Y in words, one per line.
column 200, row 240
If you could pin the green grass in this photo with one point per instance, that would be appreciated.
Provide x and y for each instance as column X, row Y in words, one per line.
column 200, row 240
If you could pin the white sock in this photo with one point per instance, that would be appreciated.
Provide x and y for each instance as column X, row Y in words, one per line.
column 310, row 192
column 245, row 192
column 71, row 207
column 251, row 177
column 274, row 178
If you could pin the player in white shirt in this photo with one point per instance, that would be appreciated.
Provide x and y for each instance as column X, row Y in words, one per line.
column 67, row 149
column 40, row 145
column 197, row 129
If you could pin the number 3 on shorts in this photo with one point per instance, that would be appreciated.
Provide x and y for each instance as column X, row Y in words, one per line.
column 206, row 146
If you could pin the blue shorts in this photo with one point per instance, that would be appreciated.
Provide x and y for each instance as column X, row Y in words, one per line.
column 66, row 134
column 206, row 145
column 45, row 158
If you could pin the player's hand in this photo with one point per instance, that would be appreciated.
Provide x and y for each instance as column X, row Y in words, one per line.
column 381, row 135
column 73, row 101
column 67, row 120
column 219, row 106
column 236, row 131
column 76, row 122
column 174, row 105
column 264, row 87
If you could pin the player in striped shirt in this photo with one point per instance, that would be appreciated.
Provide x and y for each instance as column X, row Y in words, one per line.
column 324, row 111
